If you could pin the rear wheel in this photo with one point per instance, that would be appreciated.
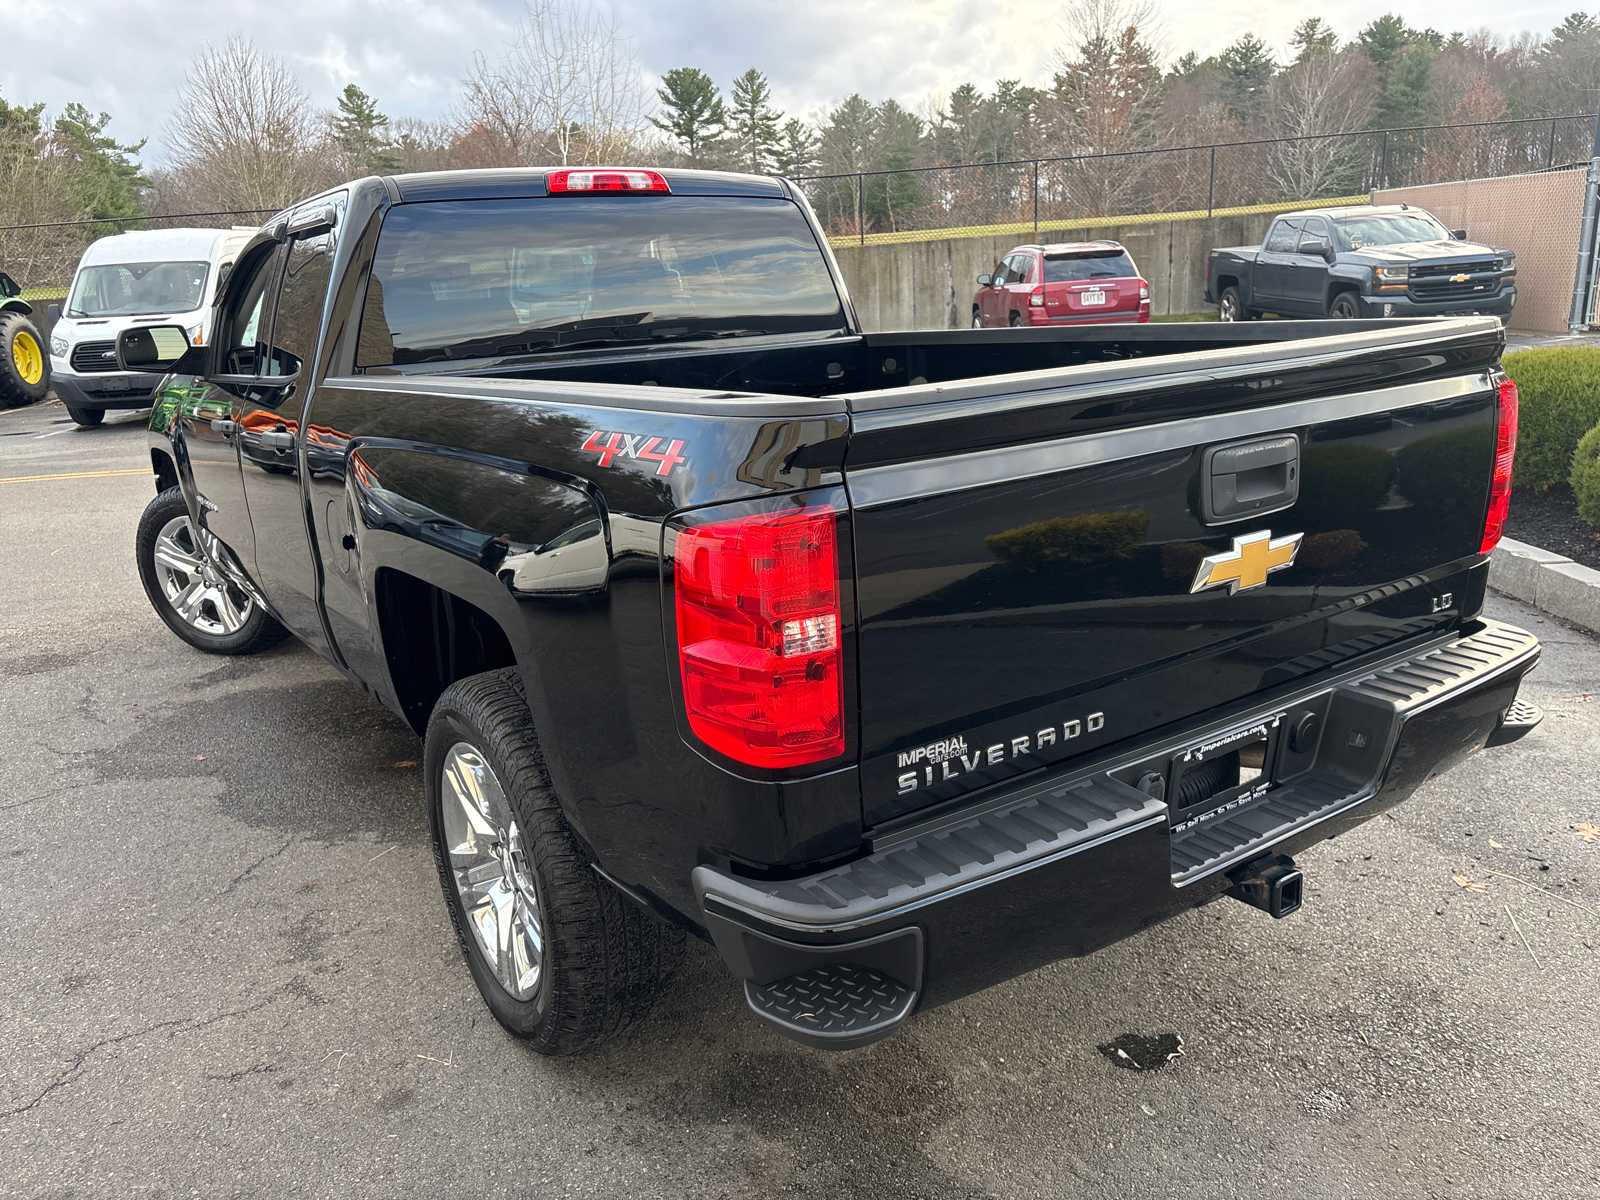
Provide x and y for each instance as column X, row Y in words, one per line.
column 24, row 368
column 1230, row 307
column 560, row 956
column 1016, row 320
column 88, row 417
column 1346, row 306
column 195, row 600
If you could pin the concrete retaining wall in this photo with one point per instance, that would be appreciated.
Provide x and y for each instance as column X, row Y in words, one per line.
column 930, row 284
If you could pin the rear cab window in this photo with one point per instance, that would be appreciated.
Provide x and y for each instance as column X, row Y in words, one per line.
column 458, row 279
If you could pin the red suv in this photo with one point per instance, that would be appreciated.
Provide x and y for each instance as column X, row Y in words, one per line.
column 1061, row 284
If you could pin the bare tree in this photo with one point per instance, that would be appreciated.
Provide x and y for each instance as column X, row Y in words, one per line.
column 244, row 135
column 567, row 90
column 1327, row 91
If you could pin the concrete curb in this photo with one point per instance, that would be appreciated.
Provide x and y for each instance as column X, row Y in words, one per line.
column 1550, row 582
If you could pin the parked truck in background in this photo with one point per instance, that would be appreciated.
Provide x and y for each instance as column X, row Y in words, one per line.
column 1365, row 261
column 148, row 277
column 894, row 664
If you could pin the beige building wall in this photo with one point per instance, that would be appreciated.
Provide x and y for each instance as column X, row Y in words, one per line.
column 1538, row 216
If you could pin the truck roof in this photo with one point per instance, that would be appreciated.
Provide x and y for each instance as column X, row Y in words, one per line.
column 161, row 245
column 1353, row 210
column 515, row 182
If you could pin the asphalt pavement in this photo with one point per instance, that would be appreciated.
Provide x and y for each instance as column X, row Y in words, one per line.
column 227, row 971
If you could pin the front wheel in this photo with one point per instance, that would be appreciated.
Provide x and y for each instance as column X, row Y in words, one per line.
column 1345, row 307
column 87, row 417
column 24, row 366
column 560, row 956
column 977, row 317
column 197, row 602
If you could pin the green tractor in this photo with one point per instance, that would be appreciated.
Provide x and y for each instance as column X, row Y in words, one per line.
column 24, row 354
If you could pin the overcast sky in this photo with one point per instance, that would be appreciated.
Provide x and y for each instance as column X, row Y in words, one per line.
column 128, row 58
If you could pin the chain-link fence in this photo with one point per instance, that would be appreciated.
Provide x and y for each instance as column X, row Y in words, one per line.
column 42, row 258
column 1037, row 195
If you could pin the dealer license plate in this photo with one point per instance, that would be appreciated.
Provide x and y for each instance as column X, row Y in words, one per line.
column 1092, row 297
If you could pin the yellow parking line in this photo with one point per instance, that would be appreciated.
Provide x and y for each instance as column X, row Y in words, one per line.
column 73, row 475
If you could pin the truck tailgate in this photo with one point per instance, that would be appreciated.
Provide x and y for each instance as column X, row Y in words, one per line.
column 1027, row 547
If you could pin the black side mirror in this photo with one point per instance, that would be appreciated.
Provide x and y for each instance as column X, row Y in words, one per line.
column 1317, row 246
column 1460, row 235
column 9, row 286
column 151, row 347
column 53, row 311
column 983, row 281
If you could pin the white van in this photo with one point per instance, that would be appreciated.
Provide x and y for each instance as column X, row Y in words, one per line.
column 151, row 277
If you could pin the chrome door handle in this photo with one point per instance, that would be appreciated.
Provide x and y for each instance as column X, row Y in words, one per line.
column 278, row 441
column 225, row 428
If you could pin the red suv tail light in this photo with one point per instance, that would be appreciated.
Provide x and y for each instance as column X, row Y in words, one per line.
column 1505, row 452
column 1036, row 298
column 626, row 179
column 758, row 636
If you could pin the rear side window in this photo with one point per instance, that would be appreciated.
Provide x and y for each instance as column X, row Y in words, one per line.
column 475, row 278
column 1075, row 268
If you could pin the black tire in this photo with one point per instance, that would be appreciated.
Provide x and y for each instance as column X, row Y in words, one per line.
column 977, row 317
column 1016, row 320
column 87, row 417
column 24, row 361
column 1230, row 307
column 602, row 960
column 1345, row 306
column 208, row 629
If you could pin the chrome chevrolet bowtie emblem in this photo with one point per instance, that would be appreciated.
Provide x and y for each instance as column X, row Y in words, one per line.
column 1247, row 565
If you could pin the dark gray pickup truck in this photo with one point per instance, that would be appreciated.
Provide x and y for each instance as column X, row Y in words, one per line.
column 895, row 664
column 1393, row 261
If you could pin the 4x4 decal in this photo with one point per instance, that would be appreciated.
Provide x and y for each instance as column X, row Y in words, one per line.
column 636, row 446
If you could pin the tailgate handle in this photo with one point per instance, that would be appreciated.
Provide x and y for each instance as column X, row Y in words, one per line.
column 1246, row 479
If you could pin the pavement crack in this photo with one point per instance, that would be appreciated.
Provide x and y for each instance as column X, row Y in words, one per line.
column 251, row 869
column 71, row 1073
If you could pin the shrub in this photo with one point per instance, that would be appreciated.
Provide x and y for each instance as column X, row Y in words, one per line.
column 1586, row 476
column 1448, row 470
column 1080, row 541
column 1558, row 390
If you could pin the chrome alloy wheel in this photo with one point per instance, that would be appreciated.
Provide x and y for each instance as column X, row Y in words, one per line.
column 1229, row 309
column 198, row 593
column 495, row 881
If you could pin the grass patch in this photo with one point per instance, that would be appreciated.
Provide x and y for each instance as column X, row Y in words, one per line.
column 1558, row 390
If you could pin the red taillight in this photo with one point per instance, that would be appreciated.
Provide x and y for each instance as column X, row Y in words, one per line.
column 1036, row 298
column 758, row 636
column 626, row 179
column 1505, row 452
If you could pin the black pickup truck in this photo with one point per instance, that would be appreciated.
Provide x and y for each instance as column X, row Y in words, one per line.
column 895, row 664
column 1385, row 261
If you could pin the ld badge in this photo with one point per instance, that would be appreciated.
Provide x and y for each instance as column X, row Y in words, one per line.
column 1247, row 565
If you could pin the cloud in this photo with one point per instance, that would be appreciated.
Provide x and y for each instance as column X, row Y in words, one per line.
column 129, row 59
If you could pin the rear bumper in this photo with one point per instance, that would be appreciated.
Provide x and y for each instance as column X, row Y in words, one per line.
column 1068, row 864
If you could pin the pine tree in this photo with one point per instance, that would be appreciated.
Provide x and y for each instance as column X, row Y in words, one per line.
column 754, row 122
column 362, row 132
column 1311, row 37
column 1247, row 69
column 105, row 180
column 694, row 112
column 797, row 149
